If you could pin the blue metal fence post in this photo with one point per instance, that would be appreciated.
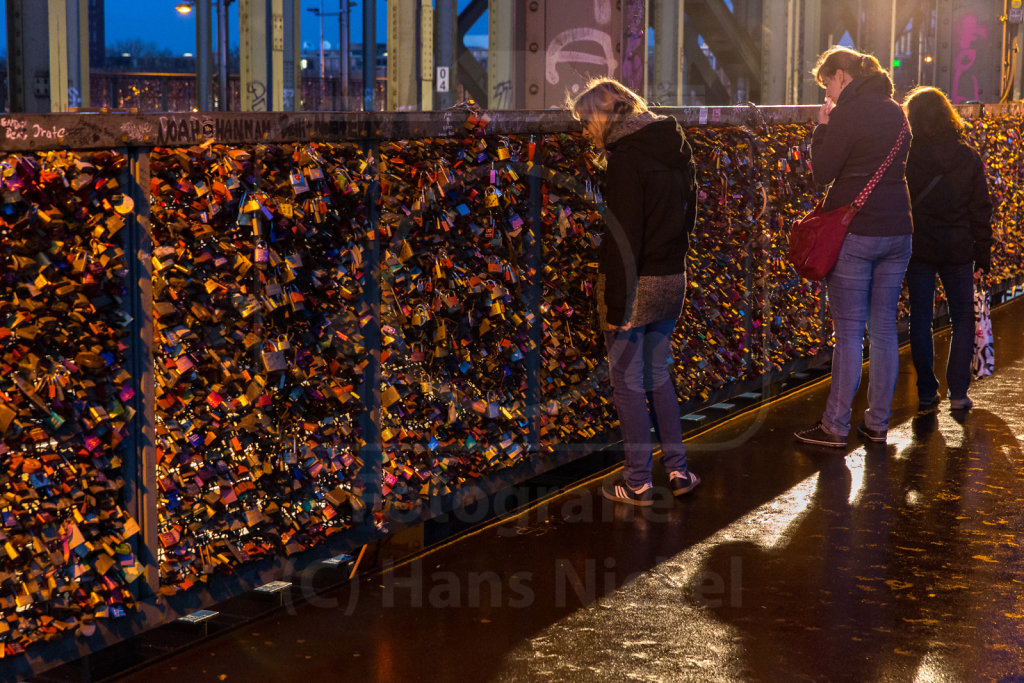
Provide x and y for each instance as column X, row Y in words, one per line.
column 371, row 472
column 140, row 447
column 532, row 290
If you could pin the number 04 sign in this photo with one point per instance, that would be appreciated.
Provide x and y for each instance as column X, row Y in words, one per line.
column 442, row 79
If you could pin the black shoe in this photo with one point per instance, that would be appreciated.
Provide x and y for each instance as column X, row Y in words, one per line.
column 961, row 403
column 876, row 435
column 682, row 482
column 928, row 403
column 621, row 492
column 820, row 436
column 924, row 424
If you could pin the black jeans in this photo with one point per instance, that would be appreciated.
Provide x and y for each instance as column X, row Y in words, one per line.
column 958, row 283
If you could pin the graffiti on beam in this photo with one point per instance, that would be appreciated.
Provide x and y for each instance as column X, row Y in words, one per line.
column 182, row 129
column 968, row 30
column 558, row 54
column 137, row 130
column 258, row 95
column 635, row 31
column 19, row 129
column 583, row 45
column 501, row 98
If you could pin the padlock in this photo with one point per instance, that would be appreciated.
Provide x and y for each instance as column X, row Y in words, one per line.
column 419, row 316
column 298, row 181
column 491, row 197
column 440, row 331
column 261, row 254
column 296, row 299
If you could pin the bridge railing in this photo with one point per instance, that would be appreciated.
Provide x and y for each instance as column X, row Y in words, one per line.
column 233, row 344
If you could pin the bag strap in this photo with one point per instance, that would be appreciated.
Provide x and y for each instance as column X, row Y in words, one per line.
column 931, row 186
column 858, row 203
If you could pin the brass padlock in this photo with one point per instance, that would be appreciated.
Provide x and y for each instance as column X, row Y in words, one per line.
column 417, row 317
column 491, row 198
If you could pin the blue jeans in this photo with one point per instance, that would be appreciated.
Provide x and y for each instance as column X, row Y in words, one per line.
column 958, row 283
column 864, row 289
column 639, row 363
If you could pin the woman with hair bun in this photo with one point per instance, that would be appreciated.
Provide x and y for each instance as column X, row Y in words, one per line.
column 952, row 240
column 859, row 126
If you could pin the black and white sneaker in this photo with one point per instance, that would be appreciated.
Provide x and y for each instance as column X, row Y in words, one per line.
column 820, row 436
column 682, row 482
column 621, row 492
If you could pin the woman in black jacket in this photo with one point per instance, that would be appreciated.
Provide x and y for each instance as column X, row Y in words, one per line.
column 859, row 127
column 651, row 203
column 952, row 239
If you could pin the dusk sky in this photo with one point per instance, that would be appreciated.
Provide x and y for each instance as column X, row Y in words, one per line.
column 160, row 24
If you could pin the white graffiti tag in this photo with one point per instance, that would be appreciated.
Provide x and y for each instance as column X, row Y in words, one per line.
column 557, row 54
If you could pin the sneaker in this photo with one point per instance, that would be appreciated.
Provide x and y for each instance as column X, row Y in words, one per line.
column 928, row 403
column 820, row 436
column 682, row 482
column 621, row 492
column 876, row 435
column 961, row 403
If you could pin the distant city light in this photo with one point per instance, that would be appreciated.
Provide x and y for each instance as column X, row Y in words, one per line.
column 928, row 59
column 184, row 7
column 303, row 63
column 126, row 54
column 188, row 54
column 895, row 62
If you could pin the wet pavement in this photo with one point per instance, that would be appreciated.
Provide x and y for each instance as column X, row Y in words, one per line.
column 897, row 562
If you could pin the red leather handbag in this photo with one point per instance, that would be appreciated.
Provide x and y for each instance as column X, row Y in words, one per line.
column 815, row 239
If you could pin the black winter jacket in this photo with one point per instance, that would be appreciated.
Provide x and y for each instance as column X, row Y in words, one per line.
column 952, row 222
column 846, row 152
column 651, row 200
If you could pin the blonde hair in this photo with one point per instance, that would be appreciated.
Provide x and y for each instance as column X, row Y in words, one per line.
column 857, row 64
column 606, row 102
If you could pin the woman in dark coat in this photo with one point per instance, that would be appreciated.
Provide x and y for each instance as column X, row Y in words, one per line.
column 650, row 202
column 859, row 125
column 952, row 239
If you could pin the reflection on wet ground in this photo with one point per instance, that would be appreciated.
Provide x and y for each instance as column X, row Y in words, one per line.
column 896, row 562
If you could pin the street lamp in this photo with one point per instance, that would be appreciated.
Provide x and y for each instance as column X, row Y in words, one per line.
column 343, row 48
column 203, row 75
column 319, row 12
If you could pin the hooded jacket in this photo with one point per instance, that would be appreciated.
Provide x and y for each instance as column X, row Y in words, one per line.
column 862, row 129
column 651, row 201
column 952, row 222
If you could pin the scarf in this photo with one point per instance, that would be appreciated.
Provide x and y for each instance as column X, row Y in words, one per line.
column 630, row 125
